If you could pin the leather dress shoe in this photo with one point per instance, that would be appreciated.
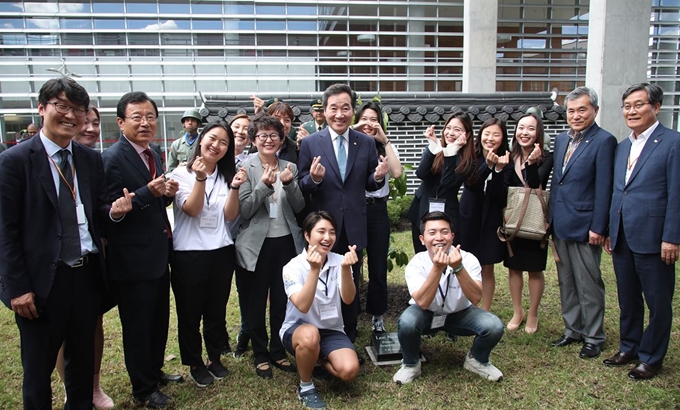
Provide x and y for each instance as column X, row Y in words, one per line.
column 644, row 371
column 565, row 341
column 620, row 359
column 590, row 351
column 170, row 378
column 155, row 400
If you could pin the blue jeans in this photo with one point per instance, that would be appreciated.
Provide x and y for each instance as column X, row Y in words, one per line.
column 473, row 321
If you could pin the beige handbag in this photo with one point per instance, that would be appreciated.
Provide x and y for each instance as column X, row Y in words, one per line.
column 525, row 216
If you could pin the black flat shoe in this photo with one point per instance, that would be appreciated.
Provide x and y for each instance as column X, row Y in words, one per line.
column 644, row 371
column 620, row 359
column 264, row 370
column 170, row 378
column 285, row 365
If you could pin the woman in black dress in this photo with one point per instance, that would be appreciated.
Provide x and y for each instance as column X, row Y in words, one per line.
column 482, row 203
column 530, row 165
column 446, row 163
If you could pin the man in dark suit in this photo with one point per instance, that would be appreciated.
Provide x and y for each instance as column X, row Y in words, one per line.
column 644, row 228
column 53, row 202
column 579, row 215
column 139, row 247
column 352, row 161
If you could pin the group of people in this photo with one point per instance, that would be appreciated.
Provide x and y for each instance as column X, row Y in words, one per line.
column 291, row 219
column 618, row 197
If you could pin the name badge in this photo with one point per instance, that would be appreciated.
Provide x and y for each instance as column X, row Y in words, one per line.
column 208, row 220
column 437, row 205
column 273, row 210
column 329, row 311
column 438, row 321
column 80, row 213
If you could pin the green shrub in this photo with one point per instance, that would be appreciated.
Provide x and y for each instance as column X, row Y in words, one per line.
column 397, row 208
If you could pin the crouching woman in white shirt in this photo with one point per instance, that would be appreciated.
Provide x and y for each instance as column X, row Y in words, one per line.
column 316, row 281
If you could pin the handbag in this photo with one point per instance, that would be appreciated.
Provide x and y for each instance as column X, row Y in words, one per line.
column 525, row 216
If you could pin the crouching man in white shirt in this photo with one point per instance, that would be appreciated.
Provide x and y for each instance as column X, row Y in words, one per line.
column 445, row 284
column 316, row 281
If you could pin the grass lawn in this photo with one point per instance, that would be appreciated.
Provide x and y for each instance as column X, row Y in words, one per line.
column 536, row 375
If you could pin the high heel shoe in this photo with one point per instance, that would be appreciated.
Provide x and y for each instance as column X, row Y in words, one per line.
column 515, row 326
column 532, row 325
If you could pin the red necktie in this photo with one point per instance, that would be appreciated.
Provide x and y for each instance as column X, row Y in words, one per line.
column 152, row 163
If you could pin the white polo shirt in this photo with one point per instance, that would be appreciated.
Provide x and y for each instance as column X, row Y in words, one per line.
column 449, row 297
column 207, row 231
column 327, row 293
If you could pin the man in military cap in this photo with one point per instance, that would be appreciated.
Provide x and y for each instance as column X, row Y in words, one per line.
column 181, row 147
column 319, row 121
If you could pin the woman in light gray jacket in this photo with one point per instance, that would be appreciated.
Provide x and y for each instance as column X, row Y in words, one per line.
column 269, row 238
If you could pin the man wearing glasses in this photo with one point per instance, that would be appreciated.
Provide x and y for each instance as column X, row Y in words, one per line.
column 644, row 229
column 139, row 247
column 53, row 193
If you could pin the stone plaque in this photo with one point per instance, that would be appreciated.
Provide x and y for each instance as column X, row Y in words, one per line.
column 386, row 346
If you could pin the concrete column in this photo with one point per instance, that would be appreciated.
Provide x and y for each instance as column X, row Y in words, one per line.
column 416, row 58
column 480, row 23
column 618, row 45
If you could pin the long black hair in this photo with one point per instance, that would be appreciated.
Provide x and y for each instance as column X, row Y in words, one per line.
column 371, row 105
column 225, row 166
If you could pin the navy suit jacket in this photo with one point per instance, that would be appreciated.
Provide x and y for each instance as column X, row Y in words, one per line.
column 648, row 206
column 346, row 201
column 138, row 245
column 580, row 194
column 30, row 225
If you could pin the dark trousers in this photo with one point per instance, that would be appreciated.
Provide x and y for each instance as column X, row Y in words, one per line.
column 201, row 282
column 69, row 317
column 640, row 274
column 144, row 310
column 376, row 250
column 350, row 312
column 268, row 280
column 243, row 289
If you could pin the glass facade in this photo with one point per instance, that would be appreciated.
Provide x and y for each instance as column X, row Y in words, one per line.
column 176, row 49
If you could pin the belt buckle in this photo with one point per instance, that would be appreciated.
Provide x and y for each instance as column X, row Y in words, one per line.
column 80, row 262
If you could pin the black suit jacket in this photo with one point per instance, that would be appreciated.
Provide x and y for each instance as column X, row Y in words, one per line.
column 30, row 226
column 138, row 245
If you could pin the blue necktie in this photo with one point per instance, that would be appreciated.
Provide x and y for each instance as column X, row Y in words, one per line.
column 342, row 157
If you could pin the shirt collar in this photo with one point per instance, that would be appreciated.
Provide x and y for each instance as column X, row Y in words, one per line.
column 51, row 148
column 136, row 146
column 334, row 134
column 571, row 132
column 645, row 134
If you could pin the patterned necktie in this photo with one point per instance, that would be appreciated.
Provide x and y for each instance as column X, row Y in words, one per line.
column 319, row 128
column 342, row 157
column 152, row 163
column 70, row 234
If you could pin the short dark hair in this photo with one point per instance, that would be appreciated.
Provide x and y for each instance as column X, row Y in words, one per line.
column 135, row 97
column 433, row 216
column 238, row 117
column 263, row 121
column 336, row 89
column 281, row 108
column 654, row 92
column 226, row 165
column 314, row 217
column 71, row 89
column 503, row 148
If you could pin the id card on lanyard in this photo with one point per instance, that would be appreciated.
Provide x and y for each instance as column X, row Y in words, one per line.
column 438, row 320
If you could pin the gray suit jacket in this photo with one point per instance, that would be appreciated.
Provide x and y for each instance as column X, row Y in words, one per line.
column 254, row 198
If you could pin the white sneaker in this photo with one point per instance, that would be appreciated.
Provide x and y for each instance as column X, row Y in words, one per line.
column 486, row 370
column 407, row 373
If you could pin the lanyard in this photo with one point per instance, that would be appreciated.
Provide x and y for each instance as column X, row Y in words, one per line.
column 325, row 282
column 207, row 196
column 71, row 186
column 441, row 292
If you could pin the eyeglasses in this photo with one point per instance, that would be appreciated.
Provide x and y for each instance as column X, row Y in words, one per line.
column 263, row 137
column 151, row 119
column 65, row 109
column 637, row 106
